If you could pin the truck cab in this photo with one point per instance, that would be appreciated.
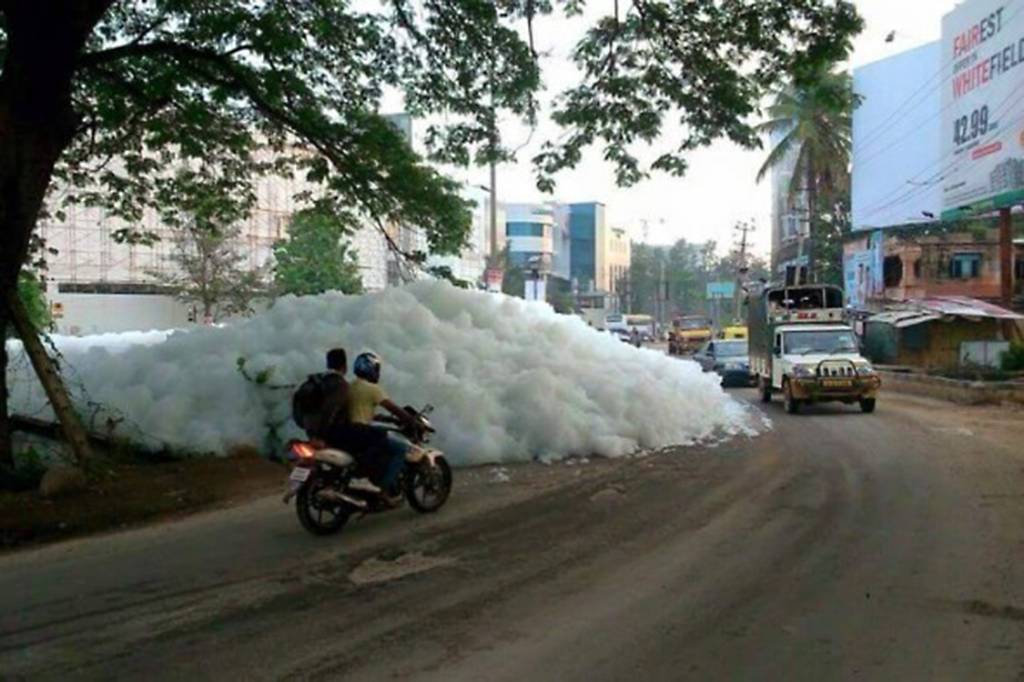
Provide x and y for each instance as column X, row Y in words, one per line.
column 801, row 346
column 688, row 334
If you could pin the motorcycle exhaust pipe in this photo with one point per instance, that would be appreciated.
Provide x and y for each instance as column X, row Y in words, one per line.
column 335, row 496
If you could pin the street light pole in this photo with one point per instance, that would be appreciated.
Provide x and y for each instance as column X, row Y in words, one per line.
column 494, row 213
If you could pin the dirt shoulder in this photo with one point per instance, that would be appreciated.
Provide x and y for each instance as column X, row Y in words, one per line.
column 126, row 495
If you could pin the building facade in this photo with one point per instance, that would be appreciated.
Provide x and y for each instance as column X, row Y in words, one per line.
column 789, row 219
column 570, row 245
column 469, row 266
column 917, row 266
column 599, row 254
column 533, row 236
column 96, row 285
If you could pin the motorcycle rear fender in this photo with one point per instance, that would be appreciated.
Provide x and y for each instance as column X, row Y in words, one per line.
column 338, row 458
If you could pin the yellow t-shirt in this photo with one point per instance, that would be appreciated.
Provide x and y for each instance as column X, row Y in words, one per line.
column 363, row 399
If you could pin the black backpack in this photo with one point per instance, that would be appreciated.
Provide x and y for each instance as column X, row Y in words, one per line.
column 309, row 400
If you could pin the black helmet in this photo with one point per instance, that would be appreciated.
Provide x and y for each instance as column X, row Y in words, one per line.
column 367, row 366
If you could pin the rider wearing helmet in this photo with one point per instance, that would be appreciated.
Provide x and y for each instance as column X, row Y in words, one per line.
column 364, row 396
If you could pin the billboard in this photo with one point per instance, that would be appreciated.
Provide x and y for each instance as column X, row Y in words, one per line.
column 982, row 107
column 896, row 139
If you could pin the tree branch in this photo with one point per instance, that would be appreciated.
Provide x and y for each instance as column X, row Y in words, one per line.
column 155, row 48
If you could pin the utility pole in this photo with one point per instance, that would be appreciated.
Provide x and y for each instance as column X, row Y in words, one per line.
column 494, row 274
column 662, row 293
column 744, row 228
column 1006, row 256
column 494, row 212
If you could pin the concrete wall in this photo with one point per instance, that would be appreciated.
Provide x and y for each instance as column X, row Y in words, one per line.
column 99, row 313
column 953, row 390
column 85, row 314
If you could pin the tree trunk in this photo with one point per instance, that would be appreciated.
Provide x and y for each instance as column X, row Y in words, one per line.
column 45, row 39
column 812, row 215
column 71, row 427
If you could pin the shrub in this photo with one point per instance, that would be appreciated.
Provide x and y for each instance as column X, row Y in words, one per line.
column 1013, row 359
column 26, row 473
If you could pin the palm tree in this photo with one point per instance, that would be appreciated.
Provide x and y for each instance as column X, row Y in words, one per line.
column 815, row 118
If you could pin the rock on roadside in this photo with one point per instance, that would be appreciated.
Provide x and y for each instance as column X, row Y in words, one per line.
column 61, row 480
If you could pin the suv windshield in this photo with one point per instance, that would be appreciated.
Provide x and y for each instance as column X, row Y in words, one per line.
column 730, row 349
column 805, row 343
column 693, row 324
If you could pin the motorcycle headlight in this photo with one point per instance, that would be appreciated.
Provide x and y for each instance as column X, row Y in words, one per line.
column 802, row 372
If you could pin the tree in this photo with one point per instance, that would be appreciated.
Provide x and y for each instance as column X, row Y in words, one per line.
column 210, row 273
column 688, row 268
column 834, row 229
column 644, row 268
column 814, row 117
column 315, row 258
column 209, row 267
column 105, row 96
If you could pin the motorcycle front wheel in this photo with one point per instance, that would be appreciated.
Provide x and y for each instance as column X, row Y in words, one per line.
column 319, row 517
column 427, row 487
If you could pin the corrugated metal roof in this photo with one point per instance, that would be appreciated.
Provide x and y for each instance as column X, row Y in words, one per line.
column 904, row 318
column 963, row 306
column 939, row 307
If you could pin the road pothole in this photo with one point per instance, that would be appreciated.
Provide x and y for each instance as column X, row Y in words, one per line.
column 393, row 565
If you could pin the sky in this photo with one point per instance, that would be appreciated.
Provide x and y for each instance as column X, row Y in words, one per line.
column 719, row 188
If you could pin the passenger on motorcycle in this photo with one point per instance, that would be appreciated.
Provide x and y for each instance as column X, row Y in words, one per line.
column 323, row 398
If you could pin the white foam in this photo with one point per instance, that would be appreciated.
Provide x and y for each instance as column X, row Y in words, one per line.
column 511, row 380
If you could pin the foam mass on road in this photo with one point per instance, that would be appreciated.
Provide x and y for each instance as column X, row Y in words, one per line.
column 511, row 380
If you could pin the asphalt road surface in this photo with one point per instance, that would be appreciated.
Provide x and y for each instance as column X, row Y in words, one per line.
column 837, row 546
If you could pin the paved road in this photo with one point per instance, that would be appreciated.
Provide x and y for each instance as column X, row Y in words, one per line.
column 838, row 546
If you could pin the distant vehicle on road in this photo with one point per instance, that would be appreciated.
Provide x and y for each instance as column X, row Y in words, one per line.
column 730, row 359
column 642, row 323
column 688, row 334
column 735, row 331
column 801, row 346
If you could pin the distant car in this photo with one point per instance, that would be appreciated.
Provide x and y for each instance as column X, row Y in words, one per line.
column 730, row 359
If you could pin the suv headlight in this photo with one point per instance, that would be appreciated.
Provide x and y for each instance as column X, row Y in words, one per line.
column 802, row 372
column 866, row 371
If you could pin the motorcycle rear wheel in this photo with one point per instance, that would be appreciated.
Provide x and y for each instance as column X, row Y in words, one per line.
column 319, row 518
column 427, row 487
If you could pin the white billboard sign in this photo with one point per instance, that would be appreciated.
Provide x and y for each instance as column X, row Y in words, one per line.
column 982, row 107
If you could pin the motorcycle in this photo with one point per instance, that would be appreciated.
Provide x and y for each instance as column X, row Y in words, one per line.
column 329, row 486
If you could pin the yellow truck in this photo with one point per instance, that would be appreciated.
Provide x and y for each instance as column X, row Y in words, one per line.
column 689, row 333
column 733, row 332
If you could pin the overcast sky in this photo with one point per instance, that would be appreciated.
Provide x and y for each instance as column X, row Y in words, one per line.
column 720, row 187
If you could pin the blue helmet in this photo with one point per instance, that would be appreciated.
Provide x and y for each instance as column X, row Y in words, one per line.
column 367, row 367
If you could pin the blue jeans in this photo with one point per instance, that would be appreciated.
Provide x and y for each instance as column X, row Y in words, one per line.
column 396, row 449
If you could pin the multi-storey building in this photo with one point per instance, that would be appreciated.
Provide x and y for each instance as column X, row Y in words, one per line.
column 1007, row 175
column 599, row 254
column 789, row 219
